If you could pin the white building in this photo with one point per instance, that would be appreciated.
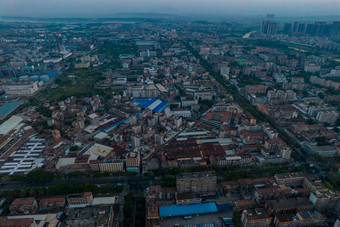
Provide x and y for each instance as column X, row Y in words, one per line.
column 13, row 123
column 312, row 68
column 21, row 89
column 181, row 113
column 52, row 60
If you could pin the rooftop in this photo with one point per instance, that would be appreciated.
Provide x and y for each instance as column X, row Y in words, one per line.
column 256, row 214
column 301, row 216
column 174, row 210
column 288, row 203
column 23, row 201
column 16, row 222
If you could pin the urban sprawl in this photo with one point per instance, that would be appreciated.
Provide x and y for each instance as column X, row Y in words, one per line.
column 170, row 122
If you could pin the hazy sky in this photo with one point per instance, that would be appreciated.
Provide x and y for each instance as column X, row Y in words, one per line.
column 105, row 8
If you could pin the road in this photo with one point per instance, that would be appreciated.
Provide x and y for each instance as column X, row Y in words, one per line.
column 135, row 183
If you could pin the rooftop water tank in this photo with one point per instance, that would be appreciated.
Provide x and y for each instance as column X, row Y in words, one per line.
column 44, row 78
column 35, row 78
column 23, row 77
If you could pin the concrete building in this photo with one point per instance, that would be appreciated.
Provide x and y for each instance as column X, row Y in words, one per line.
column 198, row 182
column 301, row 218
column 92, row 216
column 289, row 205
column 255, row 217
column 21, row 88
column 52, row 203
column 269, row 28
column 111, row 166
column 325, row 151
column 327, row 117
column 82, row 199
column 307, row 180
column 181, row 113
column 132, row 162
column 136, row 141
column 324, row 201
column 312, row 68
column 23, row 206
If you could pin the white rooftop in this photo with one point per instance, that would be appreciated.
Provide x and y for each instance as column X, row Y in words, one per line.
column 10, row 124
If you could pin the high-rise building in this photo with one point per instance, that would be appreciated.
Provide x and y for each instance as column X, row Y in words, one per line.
column 301, row 28
column 135, row 141
column 327, row 117
column 264, row 27
column 295, row 27
column 269, row 28
column 287, row 28
column 335, row 28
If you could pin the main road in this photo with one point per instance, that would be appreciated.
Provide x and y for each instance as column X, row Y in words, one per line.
column 135, row 182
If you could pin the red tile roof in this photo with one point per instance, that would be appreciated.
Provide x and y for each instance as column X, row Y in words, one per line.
column 20, row 222
column 23, row 201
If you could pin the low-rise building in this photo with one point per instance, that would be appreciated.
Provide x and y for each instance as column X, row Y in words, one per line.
column 325, row 151
column 92, row 216
column 84, row 199
column 290, row 205
column 22, row 222
column 26, row 205
column 301, row 218
column 25, row 88
column 256, row 217
column 52, row 203
column 187, row 199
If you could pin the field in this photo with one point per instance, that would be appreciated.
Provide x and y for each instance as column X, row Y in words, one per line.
column 80, row 82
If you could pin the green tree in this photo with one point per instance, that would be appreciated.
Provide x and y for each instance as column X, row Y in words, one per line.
column 321, row 95
column 74, row 148
column 63, row 217
column 237, row 218
column 329, row 185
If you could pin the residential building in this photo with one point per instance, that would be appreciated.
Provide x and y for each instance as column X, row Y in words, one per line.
column 52, row 203
column 26, row 205
column 85, row 198
column 256, row 217
column 289, row 205
column 198, row 182
column 301, row 218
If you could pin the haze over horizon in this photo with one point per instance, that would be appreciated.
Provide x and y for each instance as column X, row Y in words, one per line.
column 107, row 8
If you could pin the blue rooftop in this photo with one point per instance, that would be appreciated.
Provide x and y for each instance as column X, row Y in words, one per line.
column 148, row 103
column 140, row 101
column 9, row 107
column 160, row 107
column 114, row 125
column 52, row 74
column 29, row 69
column 175, row 210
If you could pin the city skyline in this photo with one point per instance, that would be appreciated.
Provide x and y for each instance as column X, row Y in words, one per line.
column 106, row 8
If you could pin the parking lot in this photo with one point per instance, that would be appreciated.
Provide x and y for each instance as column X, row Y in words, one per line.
column 202, row 219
